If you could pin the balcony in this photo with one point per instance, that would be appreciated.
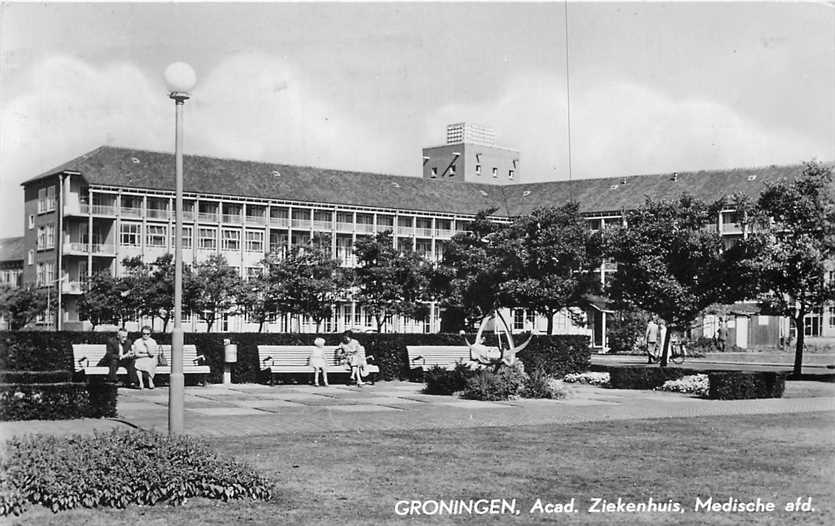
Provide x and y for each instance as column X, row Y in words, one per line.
column 443, row 232
column 77, row 247
column 344, row 227
column 279, row 222
column 188, row 215
column 207, row 217
column 234, row 219
column 255, row 220
column 129, row 211
column 98, row 210
column 301, row 224
column 365, row 228
column 405, row 231
column 423, row 232
column 322, row 226
column 157, row 213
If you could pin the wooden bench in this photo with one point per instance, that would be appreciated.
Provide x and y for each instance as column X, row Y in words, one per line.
column 293, row 359
column 86, row 358
column 445, row 356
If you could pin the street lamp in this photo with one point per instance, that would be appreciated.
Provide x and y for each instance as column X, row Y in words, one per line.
column 180, row 78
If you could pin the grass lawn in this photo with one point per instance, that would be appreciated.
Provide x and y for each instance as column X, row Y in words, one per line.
column 356, row 478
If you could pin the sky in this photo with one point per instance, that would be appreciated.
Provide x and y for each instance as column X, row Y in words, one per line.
column 652, row 87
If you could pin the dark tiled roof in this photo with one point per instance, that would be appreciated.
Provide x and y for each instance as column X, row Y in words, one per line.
column 11, row 249
column 145, row 169
column 154, row 170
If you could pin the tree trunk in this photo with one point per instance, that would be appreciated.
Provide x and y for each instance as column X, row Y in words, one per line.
column 165, row 321
column 550, row 328
column 665, row 349
column 380, row 322
column 209, row 323
column 260, row 324
column 798, row 349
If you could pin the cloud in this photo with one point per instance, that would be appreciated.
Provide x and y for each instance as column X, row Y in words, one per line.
column 250, row 106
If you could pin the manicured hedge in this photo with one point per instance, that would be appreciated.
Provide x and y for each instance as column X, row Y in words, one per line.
column 43, row 351
column 738, row 385
column 644, row 377
column 35, row 377
column 56, row 401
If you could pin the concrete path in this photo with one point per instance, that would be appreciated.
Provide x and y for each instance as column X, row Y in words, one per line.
column 822, row 364
column 253, row 409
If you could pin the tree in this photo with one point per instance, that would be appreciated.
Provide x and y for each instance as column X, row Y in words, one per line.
column 159, row 291
column 212, row 288
column 255, row 299
column 105, row 300
column 306, row 283
column 387, row 282
column 791, row 259
column 22, row 305
column 469, row 277
column 549, row 257
column 670, row 263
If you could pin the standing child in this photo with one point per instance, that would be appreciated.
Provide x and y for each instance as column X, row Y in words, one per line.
column 317, row 361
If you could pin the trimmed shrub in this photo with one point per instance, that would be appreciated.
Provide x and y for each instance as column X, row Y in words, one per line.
column 440, row 381
column 51, row 350
column 696, row 384
column 57, row 401
column 541, row 385
column 738, row 385
column 62, row 473
column 35, row 377
column 625, row 330
column 486, row 385
column 644, row 377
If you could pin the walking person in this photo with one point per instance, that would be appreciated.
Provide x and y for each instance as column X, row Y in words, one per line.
column 317, row 361
column 651, row 337
column 721, row 335
column 145, row 349
column 118, row 354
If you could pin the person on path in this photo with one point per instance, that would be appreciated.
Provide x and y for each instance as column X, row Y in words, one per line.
column 651, row 337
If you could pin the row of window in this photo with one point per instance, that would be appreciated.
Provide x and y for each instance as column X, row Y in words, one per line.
column 130, row 235
column 452, row 170
column 46, row 237
column 45, row 273
column 46, row 199
column 11, row 277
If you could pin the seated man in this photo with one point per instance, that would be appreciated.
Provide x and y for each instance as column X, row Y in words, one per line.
column 118, row 353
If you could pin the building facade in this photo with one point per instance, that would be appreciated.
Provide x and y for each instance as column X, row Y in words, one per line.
column 92, row 212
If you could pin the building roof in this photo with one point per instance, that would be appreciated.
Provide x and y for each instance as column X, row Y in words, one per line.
column 142, row 169
column 11, row 249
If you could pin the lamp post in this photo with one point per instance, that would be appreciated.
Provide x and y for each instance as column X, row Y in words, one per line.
column 180, row 78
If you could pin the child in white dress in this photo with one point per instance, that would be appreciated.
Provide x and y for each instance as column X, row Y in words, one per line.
column 317, row 361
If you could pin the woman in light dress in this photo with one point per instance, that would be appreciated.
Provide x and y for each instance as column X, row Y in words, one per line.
column 145, row 351
column 354, row 353
column 317, row 361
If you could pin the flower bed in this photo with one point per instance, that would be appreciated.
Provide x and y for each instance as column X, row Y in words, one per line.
column 117, row 469
column 697, row 384
column 598, row 379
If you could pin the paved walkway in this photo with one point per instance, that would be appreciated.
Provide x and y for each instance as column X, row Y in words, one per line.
column 253, row 409
column 814, row 364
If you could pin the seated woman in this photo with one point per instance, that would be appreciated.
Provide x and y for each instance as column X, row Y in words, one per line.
column 145, row 351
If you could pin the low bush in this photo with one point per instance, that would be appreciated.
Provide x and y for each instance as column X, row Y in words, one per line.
column 440, row 381
column 644, row 377
column 35, row 377
column 693, row 384
column 598, row 379
column 738, row 385
column 488, row 385
column 541, row 385
column 56, row 401
column 118, row 469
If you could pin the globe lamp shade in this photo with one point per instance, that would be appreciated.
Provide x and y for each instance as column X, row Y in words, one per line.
column 180, row 77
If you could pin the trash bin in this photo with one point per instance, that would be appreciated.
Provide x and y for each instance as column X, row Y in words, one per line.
column 230, row 356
